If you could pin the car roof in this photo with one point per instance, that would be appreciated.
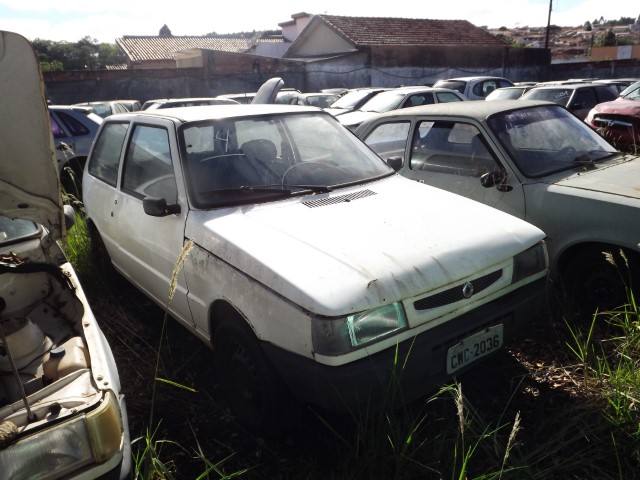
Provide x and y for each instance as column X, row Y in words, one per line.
column 217, row 112
column 571, row 86
column 467, row 79
column 477, row 110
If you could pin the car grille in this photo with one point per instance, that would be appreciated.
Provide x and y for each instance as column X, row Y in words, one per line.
column 338, row 199
column 455, row 294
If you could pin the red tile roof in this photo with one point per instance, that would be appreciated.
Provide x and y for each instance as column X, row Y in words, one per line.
column 366, row 31
column 140, row 48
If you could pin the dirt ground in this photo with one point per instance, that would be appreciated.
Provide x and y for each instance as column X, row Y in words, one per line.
column 530, row 377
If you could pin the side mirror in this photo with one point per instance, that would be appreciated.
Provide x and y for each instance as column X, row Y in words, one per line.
column 158, row 207
column 69, row 216
column 395, row 163
column 495, row 179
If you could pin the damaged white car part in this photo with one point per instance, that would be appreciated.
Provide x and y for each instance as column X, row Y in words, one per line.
column 62, row 411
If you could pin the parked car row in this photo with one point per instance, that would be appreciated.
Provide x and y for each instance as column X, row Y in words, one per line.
column 303, row 274
column 310, row 267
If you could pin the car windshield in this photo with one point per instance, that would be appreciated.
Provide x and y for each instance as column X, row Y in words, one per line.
column 632, row 92
column 452, row 84
column 558, row 95
column 505, row 94
column 257, row 159
column 383, row 102
column 548, row 139
column 350, row 99
column 16, row 230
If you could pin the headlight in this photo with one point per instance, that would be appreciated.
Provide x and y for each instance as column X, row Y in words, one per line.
column 60, row 450
column 531, row 261
column 339, row 336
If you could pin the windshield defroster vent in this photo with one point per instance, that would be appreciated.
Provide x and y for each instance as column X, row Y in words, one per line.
column 339, row 199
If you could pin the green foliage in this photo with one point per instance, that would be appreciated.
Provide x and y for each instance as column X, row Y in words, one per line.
column 587, row 26
column 85, row 54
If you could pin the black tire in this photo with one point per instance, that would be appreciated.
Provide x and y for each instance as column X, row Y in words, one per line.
column 254, row 391
column 101, row 258
column 594, row 282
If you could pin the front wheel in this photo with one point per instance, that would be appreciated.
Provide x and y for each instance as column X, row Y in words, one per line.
column 598, row 278
column 253, row 389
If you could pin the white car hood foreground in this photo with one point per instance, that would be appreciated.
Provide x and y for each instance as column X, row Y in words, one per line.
column 29, row 184
column 390, row 241
column 620, row 178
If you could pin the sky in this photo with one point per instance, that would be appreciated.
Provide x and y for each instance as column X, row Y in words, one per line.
column 104, row 21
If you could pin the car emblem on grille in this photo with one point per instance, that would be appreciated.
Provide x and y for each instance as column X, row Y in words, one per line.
column 467, row 290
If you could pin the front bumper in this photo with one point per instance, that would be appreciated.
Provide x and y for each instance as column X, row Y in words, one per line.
column 420, row 363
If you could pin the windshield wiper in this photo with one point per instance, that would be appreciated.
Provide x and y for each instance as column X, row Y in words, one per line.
column 314, row 188
column 279, row 186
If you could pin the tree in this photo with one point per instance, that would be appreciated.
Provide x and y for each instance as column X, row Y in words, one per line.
column 85, row 54
column 607, row 40
column 165, row 32
column 587, row 26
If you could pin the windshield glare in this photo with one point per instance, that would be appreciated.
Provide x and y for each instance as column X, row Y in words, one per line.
column 247, row 160
column 548, row 139
column 383, row 102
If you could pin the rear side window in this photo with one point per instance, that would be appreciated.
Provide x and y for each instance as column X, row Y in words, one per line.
column 74, row 126
column 105, row 156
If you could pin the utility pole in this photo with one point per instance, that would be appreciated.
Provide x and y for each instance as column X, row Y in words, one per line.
column 546, row 38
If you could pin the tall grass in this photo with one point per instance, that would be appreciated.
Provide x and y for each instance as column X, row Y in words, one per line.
column 148, row 460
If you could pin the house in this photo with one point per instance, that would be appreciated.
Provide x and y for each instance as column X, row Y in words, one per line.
column 163, row 51
column 312, row 52
column 343, row 51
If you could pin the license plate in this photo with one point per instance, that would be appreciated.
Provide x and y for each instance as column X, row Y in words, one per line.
column 473, row 348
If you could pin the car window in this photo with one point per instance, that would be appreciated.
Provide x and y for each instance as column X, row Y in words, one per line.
column 75, row 127
column 148, row 170
column 444, row 97
column 389, row 139
column 419, row 99
column 450, row 147
column 484, row 88
column 105, row 156
column 56, row 129
column 584, row 98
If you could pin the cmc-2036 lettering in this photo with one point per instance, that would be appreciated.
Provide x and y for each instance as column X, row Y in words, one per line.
column 473, row 348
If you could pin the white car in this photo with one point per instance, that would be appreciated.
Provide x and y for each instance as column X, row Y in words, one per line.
column 306, row 259
column 397, row 98
column 474, row 88
column 62, row 411
column 74, row 127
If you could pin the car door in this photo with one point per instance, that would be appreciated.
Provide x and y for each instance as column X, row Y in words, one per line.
column 144, row 248
column 452, row 155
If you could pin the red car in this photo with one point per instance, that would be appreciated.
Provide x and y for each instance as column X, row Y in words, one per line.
column 619, row 120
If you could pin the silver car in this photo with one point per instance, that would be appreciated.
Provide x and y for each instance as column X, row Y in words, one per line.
column 534, row 160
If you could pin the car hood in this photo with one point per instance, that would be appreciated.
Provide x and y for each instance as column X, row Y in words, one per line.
column 621, row 106
column 615, row 178
column 29, row 184
column 357, row 248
